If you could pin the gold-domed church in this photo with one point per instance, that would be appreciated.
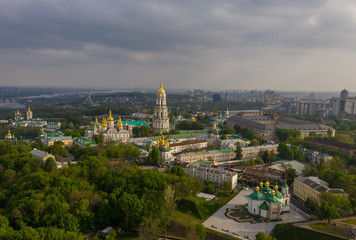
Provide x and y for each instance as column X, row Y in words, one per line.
column 269, row 203
column 110, row 130
column 160, row 121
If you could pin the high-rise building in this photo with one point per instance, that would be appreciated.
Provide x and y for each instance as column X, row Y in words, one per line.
column 160, row 121
column 344, row 106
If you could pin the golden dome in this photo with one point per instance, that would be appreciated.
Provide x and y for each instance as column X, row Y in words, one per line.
column 29, row 110
column 8, row 135
column 273, row 192
column 227, row 110
column 276, row 187
column 267, row 184
column 110, row 118
column 257, row 189
column 104, row 123
column 193, row 118
column 214, row 126
column 119, row 123
column 161, row 90
column 13, row 135
column 261, row 184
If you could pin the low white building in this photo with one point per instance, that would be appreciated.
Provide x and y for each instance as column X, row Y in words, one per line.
column 213, row 175
column 53, row 125
column 193, row 144
column 254, row 151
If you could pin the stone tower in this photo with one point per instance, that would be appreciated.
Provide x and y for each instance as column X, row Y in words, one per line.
column 160, row 121
column 29, row 114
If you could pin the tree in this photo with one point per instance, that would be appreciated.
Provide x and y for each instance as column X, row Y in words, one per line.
column 201, row 231
column 223, row 137
column 290, row 173
column 263, row 236
column 209, row 188
column 254, row 142
column 177, row 170
column 285, row 152
column 50, row 164
column 131, row 206
column 286, row 135
column 58, row 148
column 328, row 211
column 170, row 201
column 154, row 156
column 238, row 152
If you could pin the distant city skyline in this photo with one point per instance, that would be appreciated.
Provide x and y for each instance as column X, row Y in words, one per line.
column 304, row 45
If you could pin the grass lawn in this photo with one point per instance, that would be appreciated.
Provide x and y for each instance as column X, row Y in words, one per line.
column 185, row 218
column 208, row 208
column 290, row 232
column 182, row 134
column 221, row 234
column 353, row 221
column 340, row 229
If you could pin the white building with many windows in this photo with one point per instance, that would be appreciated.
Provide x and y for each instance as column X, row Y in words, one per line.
column 214, row 175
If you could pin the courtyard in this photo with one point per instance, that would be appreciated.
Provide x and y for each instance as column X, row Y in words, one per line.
column 220, row 222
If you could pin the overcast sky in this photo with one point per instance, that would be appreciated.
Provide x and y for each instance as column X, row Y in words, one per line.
column 237, row 44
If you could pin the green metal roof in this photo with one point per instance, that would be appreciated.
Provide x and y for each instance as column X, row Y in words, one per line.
column 285, row 185
column 264, row 206
column 135, row 123
column 273, row 200
column 237, row 137
column 257, row 196
column 55, row 134
column 202, row 162
column 84, row 140
column 226, row 150
column 279, row 195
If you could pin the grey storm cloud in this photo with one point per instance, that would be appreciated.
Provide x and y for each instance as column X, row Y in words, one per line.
column 208, row 41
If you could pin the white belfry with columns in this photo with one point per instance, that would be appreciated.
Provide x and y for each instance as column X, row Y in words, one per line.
column 160, row 121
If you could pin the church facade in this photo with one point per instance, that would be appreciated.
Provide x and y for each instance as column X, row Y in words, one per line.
column 160, row 121
column 268, row 203
column 110, row 130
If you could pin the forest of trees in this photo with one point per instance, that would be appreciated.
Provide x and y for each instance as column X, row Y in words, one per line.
column 39, row 201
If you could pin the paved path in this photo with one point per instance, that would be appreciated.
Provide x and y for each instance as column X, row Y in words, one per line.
column 247, row 229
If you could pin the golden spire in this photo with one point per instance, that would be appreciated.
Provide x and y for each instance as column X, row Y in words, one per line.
column 119, row 123
column 104, row 123
column 13, row 135
column 161, row 90
column 110, row 118
column 214, row 125
column 261, row 184
column 227, row 110
column 29, row 110
column 257, row 189
column 42, row 129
